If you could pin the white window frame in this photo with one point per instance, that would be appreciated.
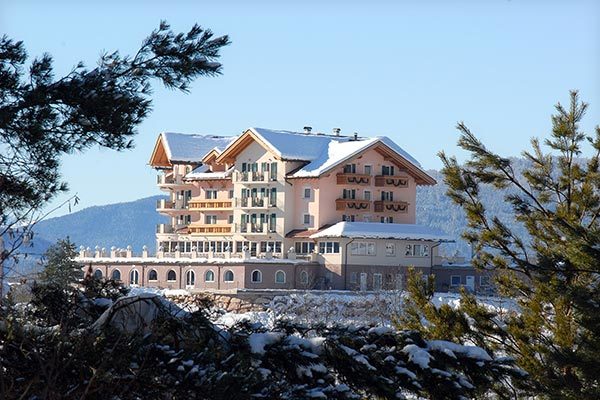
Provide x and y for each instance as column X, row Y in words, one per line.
column 304, row 219
column 156, row 272
column 206, row 273
column 380, row 276
column 225, row 275
column 188, row 273
column 329, row 247
column 370, row 167
column 137, row 276
column 259, row 276
column 390, row 249
column 284, row 277
column 112, row 274
column 363, row 248
column 304, row 196
column 171, row 280
column 367, row 195
column 210, row 219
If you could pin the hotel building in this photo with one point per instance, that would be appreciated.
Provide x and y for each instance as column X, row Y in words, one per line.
column 271, row 209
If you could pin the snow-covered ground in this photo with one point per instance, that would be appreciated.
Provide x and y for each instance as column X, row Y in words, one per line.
column 333, row 308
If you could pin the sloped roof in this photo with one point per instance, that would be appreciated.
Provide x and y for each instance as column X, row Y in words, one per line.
column 181, row 147
column 203, row 172
column 376, row 230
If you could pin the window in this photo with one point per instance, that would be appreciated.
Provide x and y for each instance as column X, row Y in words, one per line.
column 306, row 219
column 273, row 171
column 390, row 249
column 417, row 250
column 209, row 276
column 210, row 194
column 228, row 277
column 353, row 277
column 171, row 276
column 367, row 170
column 455, row 280
column 368, row 195
column 210, row 219
column 304, row 278
column 152, row 275
column 362, row 248
column 387, row 196
column 305, row 247
column 134, row 277
column 349, row 218
column 273, row 197
column 387, row 220
column 349, row 194
column 270, row 245
column 350, row 168
column 230, row 219
column 279, row 277
column 387, row 170
column 231, row 194
column 307, row 193
column 98, row 274
column 190, row 278
column 256, row 276
column 484, row 280
column 377, row 282
column 329, row 247
column 273, row 223
column 116, row 275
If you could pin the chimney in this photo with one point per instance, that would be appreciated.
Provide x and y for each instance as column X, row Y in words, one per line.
column 355, row 135
column 307, row 129
column 336, row 131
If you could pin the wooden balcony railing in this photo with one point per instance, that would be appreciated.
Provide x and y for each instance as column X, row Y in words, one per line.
column 209, row 229
column 391, row 206
column 353, row 179
column 352, row 204
column 212, row 204
column 391, row 180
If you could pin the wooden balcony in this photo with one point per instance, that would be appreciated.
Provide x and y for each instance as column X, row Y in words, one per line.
column 209, row 229
column 391, row 206
column 210, row 204
column 352, row 205
column 353, row 179
column 392, row 181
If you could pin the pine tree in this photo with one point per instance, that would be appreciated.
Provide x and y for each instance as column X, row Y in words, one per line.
column 554, row 277
column 43, row 117
column 61, row 268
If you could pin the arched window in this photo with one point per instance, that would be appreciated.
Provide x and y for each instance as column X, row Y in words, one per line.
column 256, row 276
column 190, row 278
column 228, row 277
column 209, row 276
column 98, row 274
column 152, row 275
column 116, row 275
column 134, row 277
column 304, row 278
column 279, row 277
column 171, row 275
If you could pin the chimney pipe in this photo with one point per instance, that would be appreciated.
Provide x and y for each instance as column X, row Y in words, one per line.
column 336, row 131
column 355, row 135
column 307, row 129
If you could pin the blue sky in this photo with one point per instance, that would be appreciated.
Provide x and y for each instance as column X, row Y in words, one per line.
column 408, row 70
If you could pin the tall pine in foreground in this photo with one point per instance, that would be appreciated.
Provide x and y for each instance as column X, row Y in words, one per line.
column 555, row 277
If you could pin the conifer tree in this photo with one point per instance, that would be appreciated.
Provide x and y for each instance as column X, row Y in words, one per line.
column 43, row 117
column 554, row 277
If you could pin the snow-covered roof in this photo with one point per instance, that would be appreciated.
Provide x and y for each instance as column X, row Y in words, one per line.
column 192, row 148
column 185, row 260
column 295, row 145
column 203, row 172
column 376, row 230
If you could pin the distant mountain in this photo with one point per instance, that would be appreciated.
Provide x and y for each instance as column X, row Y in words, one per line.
column 134, row 223
column 121, row 224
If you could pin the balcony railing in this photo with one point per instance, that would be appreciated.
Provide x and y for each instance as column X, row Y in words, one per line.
column 165, row 228
column 249, row 176
column 254, row 228
column 391, row 206
column 209, row 229
column 391, row 180
column 164, row 204
column 352, row 204
column 163, row 179
column 353, row 179
column 257, row 202
column 200, row 205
